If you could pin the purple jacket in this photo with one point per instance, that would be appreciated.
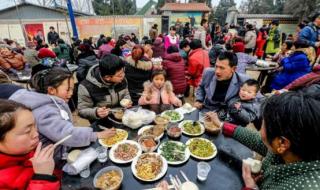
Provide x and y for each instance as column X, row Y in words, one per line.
column 104, row 50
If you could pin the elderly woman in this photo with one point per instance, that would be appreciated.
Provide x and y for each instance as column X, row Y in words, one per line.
column 287, row 140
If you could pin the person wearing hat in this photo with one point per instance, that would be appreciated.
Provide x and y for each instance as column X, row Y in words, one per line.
column 311, row 33
column 274, row 39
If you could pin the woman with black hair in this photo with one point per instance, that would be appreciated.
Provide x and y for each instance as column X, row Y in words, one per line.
column 288, row 141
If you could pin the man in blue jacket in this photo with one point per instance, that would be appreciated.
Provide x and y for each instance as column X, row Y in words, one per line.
column 310, row 34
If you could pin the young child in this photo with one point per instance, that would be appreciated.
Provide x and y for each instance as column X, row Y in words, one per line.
column 54, row 89
column 159, row 91
column 24, row 164
column 246, row 108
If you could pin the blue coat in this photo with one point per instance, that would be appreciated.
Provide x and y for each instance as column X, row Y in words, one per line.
column 309, row 34
column 294, row 67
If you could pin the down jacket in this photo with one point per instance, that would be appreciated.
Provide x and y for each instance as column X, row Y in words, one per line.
column 197, row 62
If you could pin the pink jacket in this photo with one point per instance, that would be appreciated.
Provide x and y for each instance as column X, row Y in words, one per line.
column 166, row 93
column 170, row 42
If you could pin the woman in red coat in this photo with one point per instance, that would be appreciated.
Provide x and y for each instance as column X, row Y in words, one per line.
column 261, row 40
column 24, row 164
column 174, row 65
column 198, row 61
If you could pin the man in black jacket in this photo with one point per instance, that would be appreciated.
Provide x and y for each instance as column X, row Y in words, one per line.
column 53, row 36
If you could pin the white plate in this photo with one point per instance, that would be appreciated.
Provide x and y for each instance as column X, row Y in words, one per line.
column 160, row 175
column 105, row 145
column 172, row 121
column 186, row 153
column 118, row 161
column 141, row 130
column 203, row 158
column 190, row 134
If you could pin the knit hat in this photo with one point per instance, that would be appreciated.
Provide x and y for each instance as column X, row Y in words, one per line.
column 45, row 52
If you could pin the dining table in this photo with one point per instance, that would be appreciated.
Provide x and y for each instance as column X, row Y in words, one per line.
column 225, row 173
column 263, row 71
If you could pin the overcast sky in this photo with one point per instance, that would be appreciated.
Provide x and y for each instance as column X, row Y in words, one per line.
column 140, row 3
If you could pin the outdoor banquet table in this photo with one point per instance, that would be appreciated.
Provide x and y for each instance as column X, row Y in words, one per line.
column 222, row 175
column 263, row 71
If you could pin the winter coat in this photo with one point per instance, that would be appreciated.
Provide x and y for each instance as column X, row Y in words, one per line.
column 93, row 92
column 175, row 68
column 7, row 89
column 153, row 33
column 214, row 53
column 201, row 35
column 158, row 48
column 207, row 88
column 104, row 50
column 63, row 52
column 17, row 174
column 243, row 61
column 10, row 60
column 250, row 39
column 306, row 80
column 276, row 173
column 171, row 41
column 274, row 41
column 53, row 37
column 261, row 40
column 165, row 93
column 52, row 125
column 249, row 111
column 294, row 67
column 310, row 34
column 198, row 60
column 84, row 65
column 136, row 75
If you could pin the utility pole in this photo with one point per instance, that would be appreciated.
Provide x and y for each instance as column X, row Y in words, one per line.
column 72, row 20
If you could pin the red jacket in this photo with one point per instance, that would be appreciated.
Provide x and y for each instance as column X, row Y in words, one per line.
column 261, row 40
column 198, row 60
column 175, row 68
column 17, row 173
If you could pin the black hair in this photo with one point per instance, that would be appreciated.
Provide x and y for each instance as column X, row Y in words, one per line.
column 158, row 72
column 275, row 22
column 301, row 25
column 289, row 44
column 172, row 49
column 106, row 40
column 315, row 16
column 148, row 42
column 195, row 44
column 300, row 44
column 110, row 64
column 295, row 116
column 51, row 27
column 221, row 42
column 249, row 27
column 203, row 21
column 184, row 43
column 252, row 82
column 60, row 41
column 8, row 116
column 173, row 28
column 229, row 47
column 53, row 77
column 230, row 56
column 102, row 36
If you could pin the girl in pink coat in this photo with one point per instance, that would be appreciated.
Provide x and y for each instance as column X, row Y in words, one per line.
column 159, row 91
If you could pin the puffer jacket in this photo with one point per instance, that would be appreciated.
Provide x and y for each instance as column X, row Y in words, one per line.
column 10, row 60
column 158, row 48
column 136, row 75
column 294, row 67
column 84, row 65
column 165, row 93
column 309, row 34
column 63, row 52
column 17, row 174
column 175, row 68
column 93, row 92
column 250, row 39
column 198, row 61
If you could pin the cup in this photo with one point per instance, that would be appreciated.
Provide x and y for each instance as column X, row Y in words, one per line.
column 203, row 170
column 102, row 154
column 85, row 173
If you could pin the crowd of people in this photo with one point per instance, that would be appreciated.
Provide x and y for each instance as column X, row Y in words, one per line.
column 207, row 64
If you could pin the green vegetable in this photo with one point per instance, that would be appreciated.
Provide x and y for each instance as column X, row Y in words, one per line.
column 201, row 148
column 174, row 116
column 173, row 152
column 192, row 127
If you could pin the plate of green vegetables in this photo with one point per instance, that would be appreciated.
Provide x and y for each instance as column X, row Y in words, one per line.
column 201, row 148
column 174, row 152
column 192, row 128
column 173, row 115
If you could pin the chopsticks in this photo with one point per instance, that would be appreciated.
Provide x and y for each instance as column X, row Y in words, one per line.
column 62, row 140
column 184, row 175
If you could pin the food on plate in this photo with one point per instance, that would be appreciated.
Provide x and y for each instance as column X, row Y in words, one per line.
column 255, row 165
column 187, row 106
column 149, row 166
column 159, row 120
column 118, row 114
column 109, row 180
column 148, row 143
column 126, row 151
column 119, row 136
column 125, row 102
column 173, row 115
column 156, row 130
column 211, row 127
column 174, row 132
column 201, row 148
column 173, row 151
column 192, row 127
column 73, row 155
